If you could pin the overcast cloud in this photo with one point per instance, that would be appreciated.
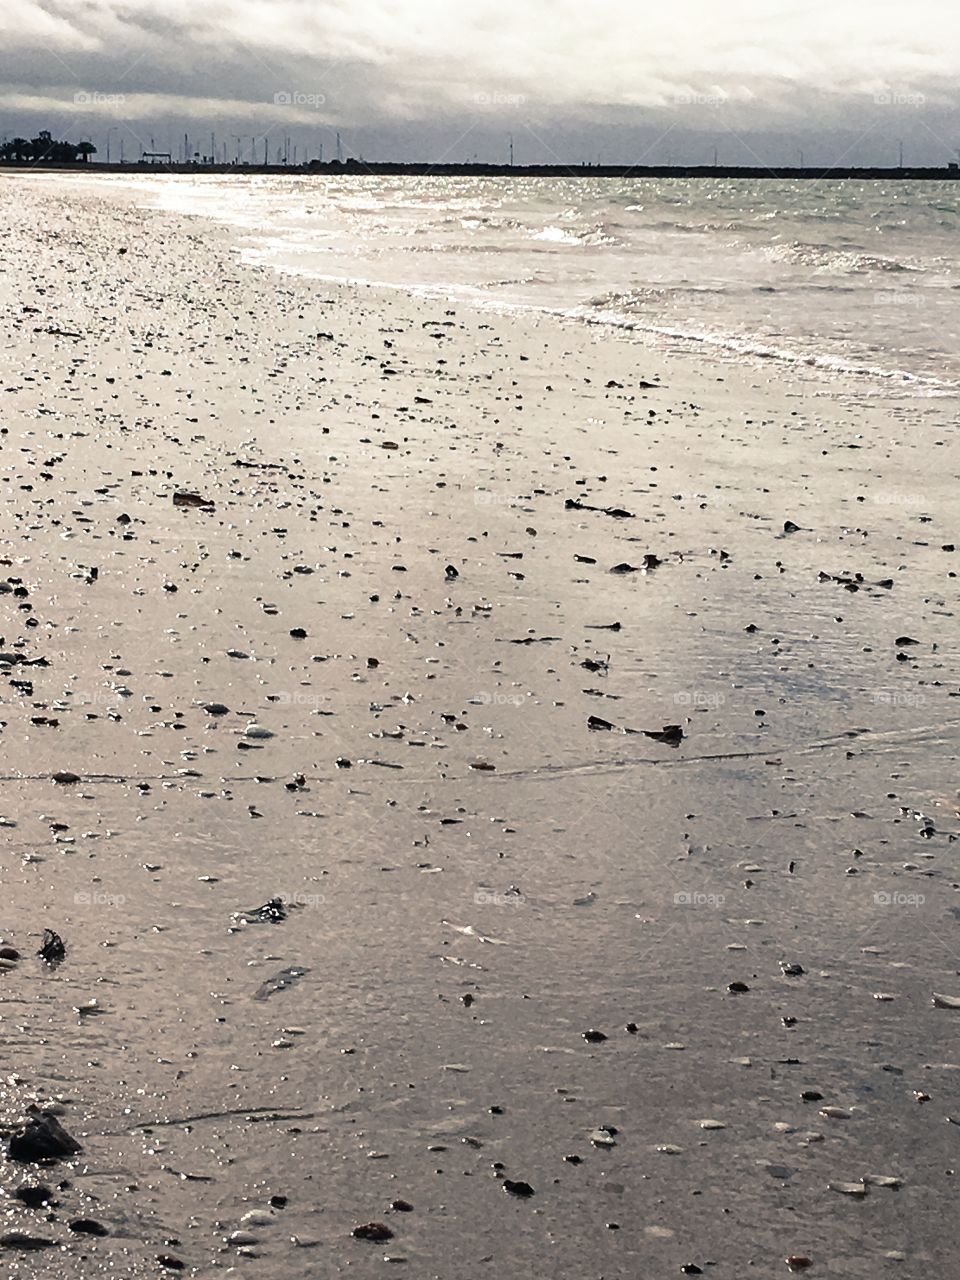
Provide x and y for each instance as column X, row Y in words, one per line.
column 617, row 80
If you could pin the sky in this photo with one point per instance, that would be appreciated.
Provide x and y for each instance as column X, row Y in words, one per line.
column 610, row 81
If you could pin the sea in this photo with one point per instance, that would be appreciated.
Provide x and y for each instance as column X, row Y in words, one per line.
column 846, row 277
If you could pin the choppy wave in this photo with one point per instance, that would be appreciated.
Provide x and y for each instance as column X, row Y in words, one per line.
column 834, row 279
column 751, row 347
column 835, row 258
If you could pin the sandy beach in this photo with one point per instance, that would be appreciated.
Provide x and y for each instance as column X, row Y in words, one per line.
column 584, row 718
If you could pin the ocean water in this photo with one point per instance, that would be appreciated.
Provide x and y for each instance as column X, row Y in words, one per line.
column 857, row 279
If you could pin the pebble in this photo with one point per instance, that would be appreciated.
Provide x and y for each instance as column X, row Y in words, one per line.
column 257, row 1218
column 521, row 1189
column 375, row 1231
column 88, row 1227
column 241, row 1237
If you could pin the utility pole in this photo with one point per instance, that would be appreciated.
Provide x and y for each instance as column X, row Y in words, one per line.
column 339, row 149
column 121, row 148
column 714, row 157
column 239, row 140
column 511, row 150
column 186, row 149
column 901, row 153
column 321, row 153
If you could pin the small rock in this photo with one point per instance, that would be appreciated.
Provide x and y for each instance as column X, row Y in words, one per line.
column 34, row 1197
column 28, row 1244
column 375, row 1231
column 241, row 1237
column 88, row 1227
column 257, row 1218
column 42, row 1138
column 521, row 1189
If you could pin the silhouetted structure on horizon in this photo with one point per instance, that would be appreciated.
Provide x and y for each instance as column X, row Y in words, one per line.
column 45, row 149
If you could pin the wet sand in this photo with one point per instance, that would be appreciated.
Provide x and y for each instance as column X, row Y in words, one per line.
column 472, row 876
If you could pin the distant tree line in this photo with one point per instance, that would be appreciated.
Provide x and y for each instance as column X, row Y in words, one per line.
column 45, row 147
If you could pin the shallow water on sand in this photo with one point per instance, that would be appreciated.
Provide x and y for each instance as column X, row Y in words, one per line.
column 472, row 877
column 835, row 276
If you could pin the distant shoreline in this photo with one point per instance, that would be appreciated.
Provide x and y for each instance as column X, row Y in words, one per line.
column 358, row 168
